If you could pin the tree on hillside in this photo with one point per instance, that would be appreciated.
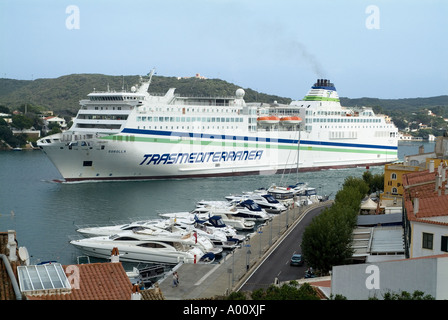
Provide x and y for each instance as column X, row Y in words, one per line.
column 53, row 128
column 4, row 109
column 22, row 122
column 7, row 135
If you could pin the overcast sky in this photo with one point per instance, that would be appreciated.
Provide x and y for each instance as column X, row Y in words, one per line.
column 375, row 48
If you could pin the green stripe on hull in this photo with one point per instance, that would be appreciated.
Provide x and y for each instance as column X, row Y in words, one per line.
column 253, row 145
column 312, row 98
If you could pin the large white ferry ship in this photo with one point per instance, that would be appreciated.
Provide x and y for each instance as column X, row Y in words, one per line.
column 136, row 136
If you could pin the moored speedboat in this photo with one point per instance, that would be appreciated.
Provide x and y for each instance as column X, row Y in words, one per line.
column 264, row 200
column 160, row 227
column 134, row 248
column 227, row 215
column 245, row 208
column 108, row 230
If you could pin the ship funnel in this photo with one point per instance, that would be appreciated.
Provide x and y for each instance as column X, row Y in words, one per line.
column 323, row 83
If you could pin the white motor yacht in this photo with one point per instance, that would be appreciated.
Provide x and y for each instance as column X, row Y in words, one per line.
column 108, row 230
column 135, row 247
column 264, row 200
column 228, row 216
column 162, row 228
column 245, row 208
column 217, row 236
column 222, row 235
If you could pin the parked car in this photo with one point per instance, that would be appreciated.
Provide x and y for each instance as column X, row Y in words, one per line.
column 296, row 260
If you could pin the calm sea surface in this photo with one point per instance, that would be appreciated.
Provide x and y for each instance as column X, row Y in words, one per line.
column 45, row 214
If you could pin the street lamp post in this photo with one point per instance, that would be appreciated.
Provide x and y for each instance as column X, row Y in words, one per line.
column 248, row 252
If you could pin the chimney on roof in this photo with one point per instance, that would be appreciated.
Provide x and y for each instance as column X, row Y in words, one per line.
column 136, row 295
column 115, row 255
column 431, row 166
column 438, row 185
column 416, row 205
column 12, row 245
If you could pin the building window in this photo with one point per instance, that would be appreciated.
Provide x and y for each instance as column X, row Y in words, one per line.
column 393, row 176
column 427, row 240
column 444, row 244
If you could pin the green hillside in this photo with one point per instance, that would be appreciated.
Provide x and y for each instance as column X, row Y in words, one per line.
column 62, row 94
column 408, row 105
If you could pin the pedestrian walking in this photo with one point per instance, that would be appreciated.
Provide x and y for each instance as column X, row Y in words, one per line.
column 175, row 279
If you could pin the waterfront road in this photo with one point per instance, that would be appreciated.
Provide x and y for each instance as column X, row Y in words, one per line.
column 276, row 265
column 262, row 258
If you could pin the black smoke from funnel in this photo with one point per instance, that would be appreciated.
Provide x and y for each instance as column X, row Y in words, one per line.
column 310, row 58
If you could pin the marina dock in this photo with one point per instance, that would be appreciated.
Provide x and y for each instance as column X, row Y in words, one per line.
column 205, row 281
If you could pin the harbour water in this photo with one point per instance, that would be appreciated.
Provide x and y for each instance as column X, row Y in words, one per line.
column 45, row 214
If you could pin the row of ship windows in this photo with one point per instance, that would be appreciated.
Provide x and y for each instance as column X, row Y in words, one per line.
column 338, row 134
column 354, row 134
column 355, row 127
column 335, row 113
column 344, row 120
column 115, row 98
column 102, row 117
column 107, row 108
column 188, row 127
column 188, row 119
column 184, row 110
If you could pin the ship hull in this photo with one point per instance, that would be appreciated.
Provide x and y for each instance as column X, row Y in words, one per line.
column 142, row 155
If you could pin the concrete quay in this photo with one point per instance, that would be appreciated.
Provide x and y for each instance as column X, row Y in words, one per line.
column 204, row 281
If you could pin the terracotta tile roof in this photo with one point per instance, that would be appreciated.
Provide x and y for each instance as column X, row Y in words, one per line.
column 419, row 177
column 432, row 202
column 323, row 283
column 152, row 294
column 97, row 281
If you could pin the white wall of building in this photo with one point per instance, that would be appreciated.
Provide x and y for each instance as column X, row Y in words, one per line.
column 364, row 281
column 418, row 228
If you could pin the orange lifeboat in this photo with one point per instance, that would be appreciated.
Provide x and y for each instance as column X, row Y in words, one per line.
column 291, row 120
column 268, row 120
